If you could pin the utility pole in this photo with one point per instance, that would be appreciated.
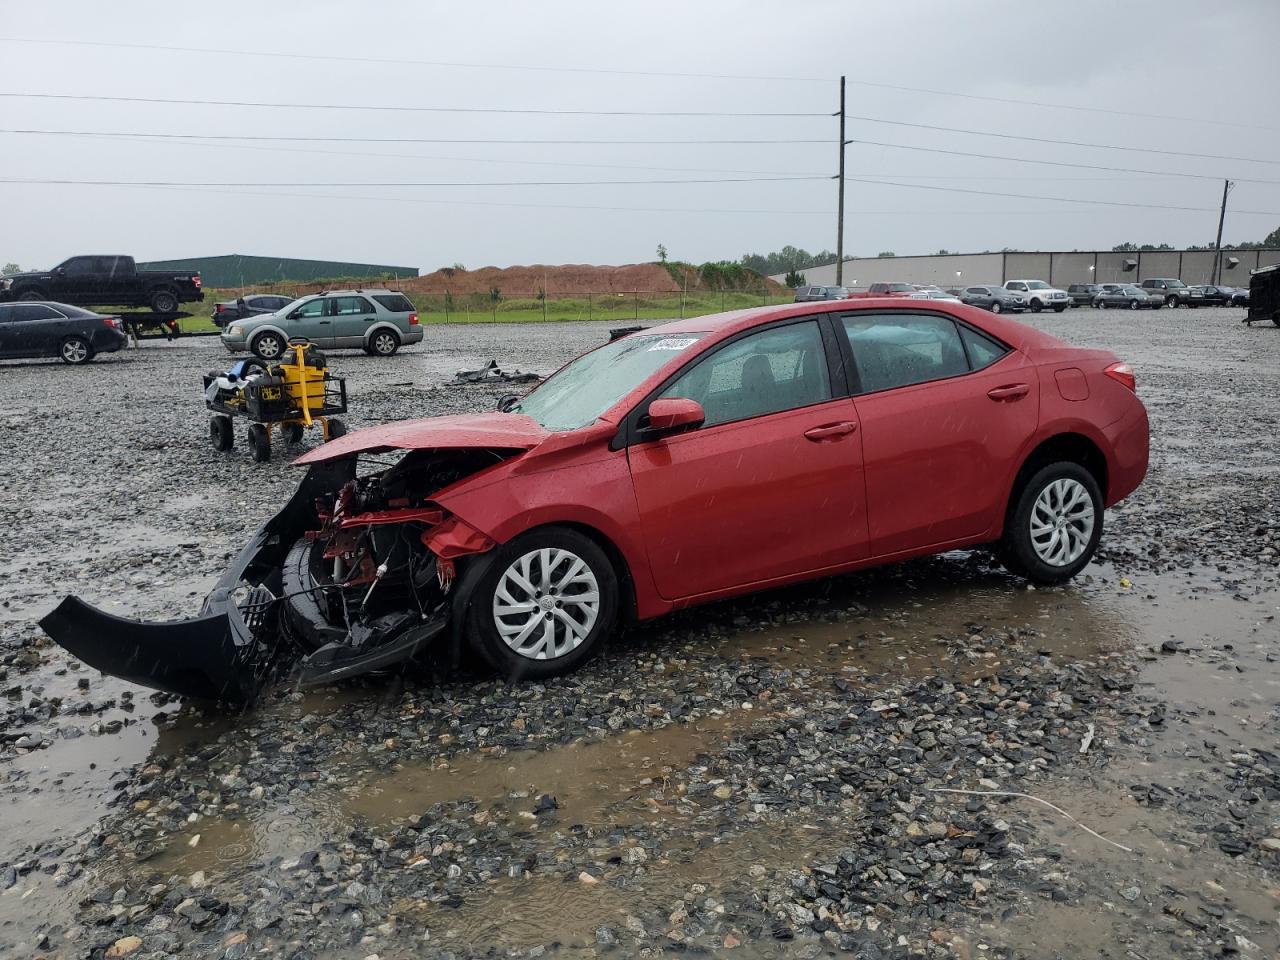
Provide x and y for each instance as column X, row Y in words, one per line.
column 1217, row 245
column 840, row 199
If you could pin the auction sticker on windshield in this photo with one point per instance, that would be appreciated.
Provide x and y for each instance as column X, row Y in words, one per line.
column 674, row 343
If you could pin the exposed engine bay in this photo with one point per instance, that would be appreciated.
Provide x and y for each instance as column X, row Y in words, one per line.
column 357, row 573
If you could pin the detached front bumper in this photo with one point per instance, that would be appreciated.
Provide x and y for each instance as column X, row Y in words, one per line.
column 229, row 651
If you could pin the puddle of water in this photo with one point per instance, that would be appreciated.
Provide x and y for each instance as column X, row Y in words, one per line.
column 586, row 779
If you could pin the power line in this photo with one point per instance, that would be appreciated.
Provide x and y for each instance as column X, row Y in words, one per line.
column 411, row 183
column 880, row 182
column 1052, row 163
column 1061, row 143
column 402, row 109
column 177, row 140
column 429, row 140
column 1024, row 196
column 325, row 58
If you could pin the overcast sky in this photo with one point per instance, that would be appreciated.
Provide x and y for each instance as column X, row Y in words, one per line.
column 1182, row 58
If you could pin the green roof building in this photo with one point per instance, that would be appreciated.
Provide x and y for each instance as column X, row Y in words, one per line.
column 239, row 270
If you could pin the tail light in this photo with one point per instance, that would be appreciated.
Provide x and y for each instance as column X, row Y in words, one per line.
column 1122, row 373
column 196, row 281
column 219, row 308
column 113, row 322
column 413, row 319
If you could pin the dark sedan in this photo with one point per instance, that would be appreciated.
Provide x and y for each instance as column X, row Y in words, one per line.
column 41, row 328
column 997, row 299
column 253, row 305
column 1214, row 295
column 1128, row 297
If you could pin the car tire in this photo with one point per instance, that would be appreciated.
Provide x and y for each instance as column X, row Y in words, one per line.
column 1100, row 304
column 292, row 432
column 1059, row 309
column 259, row 443
column 267, row 346
column 334, row 428
column 221, row 435
column 1171, row 302
column 1133, row 304
column 164, row 301
column 995, row 306
column 383, row 343
column 1060, row 499
column 516, row 643
column 75, row 351
column 1036, row 305
column 32, row 295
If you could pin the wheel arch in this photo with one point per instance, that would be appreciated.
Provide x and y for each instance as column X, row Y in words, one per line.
column 383, row 325
column 252, row 336
column 1067, row 446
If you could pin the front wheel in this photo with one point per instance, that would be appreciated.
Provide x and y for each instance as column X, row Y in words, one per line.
column 544, row 605
column 268, row 346
column 1170, row 302
column 1100, row 304
column 1059, row 309
column 1036, row 306
column 333, row 429
column 259, row 442
column 75, row 351
column 1055, row 524
column 1133, row 304
column 221, row 435
column 995, row 306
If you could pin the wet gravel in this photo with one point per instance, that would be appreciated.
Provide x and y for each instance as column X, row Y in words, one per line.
column 764, row 777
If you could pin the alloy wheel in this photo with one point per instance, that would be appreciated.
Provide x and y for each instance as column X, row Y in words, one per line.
column 546, row 603
column 384, row 343
column 75, row 351
column 1062, row 522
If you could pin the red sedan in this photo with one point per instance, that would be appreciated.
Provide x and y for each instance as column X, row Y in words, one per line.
column 680, row 464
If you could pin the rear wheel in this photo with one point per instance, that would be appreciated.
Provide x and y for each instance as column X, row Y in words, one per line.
column 221, row 435
column 383, row 343
column 164, row 301
column 292, row 432
column 544, row 604
column 259, row 442
column 33, row 295
column 1100, row 304
column 75, row 351
column 334, row 428
column 1133, row 304
column 1055, row 524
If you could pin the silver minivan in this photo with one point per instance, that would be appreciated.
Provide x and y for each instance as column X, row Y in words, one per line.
column 377, row 321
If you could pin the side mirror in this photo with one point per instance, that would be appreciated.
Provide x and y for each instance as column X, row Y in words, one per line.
column 669, row 415
column 507, row 401
column 60, row 272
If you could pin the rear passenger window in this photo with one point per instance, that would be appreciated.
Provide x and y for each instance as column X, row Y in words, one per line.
column 901, row 349
column 395, row 302
column 351, row 306
column 983, row 351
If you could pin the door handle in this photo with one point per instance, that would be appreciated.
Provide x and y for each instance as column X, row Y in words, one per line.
column 1009, row 392
column 831, row 431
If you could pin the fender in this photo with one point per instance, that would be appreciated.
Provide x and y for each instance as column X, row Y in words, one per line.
column 382, row 325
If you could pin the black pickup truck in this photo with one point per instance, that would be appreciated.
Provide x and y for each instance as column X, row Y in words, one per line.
column 105, row 281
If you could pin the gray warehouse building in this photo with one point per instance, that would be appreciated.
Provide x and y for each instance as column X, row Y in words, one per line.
column 1059, row 269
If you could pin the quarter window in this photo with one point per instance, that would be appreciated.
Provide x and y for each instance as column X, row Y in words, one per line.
column 395, row 302
column 983, row 351
column 767, row 372
column 899, row 350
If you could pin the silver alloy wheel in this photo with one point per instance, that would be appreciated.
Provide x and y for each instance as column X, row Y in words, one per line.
column 75, row 351
column 546, row 603
column 268, row 346
column 384, row 343
column 1062, row 522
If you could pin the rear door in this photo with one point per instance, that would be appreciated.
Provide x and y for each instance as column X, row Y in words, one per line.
column 771, row 484
column 944, row 411
column 352, row 316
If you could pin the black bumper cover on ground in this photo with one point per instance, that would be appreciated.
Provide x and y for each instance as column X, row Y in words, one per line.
column 217, row 655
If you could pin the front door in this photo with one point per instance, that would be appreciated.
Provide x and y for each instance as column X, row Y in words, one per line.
column 312, row 320
column 944, row 411
column 770, row 485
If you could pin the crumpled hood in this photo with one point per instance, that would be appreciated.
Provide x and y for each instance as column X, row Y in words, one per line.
column 502, row 431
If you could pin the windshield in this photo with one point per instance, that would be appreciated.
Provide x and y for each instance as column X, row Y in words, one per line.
column 1037, row 285
column 584, row 389
column 900, row 287
column 1174, row 284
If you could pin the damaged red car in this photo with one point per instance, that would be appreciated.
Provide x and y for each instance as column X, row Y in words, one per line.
column 673, row 466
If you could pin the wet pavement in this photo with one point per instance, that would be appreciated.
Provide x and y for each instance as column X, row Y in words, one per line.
column 757, row 776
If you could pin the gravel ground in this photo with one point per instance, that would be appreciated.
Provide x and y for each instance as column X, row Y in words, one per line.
column 765, row 777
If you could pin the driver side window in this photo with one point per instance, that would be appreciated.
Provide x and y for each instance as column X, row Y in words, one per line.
column 310, row 310
column 768, row 372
